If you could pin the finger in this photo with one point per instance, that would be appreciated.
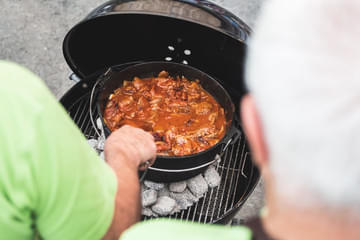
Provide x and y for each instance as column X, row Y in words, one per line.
column 137, row 141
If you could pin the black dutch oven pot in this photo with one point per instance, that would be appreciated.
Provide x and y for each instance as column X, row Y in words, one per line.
column 173, row 168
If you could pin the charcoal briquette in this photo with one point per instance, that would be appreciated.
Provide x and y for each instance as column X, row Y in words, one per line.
column 212, row 177
column 154, row 185
column 177, row 186
column 164, row 206
column 197, row 185
column 148, row 197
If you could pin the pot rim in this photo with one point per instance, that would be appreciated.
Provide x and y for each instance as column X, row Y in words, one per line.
column 230, row 123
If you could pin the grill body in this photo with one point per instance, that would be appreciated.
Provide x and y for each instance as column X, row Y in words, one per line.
column 198, row 33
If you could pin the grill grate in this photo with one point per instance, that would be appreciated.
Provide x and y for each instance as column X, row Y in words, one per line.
column 219, row 201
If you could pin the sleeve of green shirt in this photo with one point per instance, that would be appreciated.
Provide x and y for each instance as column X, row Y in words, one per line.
column 51, row 181
column 182, row 230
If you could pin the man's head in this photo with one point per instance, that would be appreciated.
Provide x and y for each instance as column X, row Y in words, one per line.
column 303, row 115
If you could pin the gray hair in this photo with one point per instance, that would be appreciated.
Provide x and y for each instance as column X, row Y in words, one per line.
column 304, row 72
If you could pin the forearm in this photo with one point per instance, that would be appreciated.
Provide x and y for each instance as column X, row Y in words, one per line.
column 127, row 201
column 125, row 150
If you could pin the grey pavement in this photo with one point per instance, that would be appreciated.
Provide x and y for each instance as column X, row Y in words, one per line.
column 32, row 31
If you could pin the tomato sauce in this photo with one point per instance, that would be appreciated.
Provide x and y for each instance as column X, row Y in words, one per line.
column 183, row 118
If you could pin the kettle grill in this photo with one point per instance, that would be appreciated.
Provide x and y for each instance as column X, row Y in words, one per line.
column 198, row 33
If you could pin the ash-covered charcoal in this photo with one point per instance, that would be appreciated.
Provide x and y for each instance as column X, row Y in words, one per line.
column 197, row 185
column 176, row 209
column 164, row 192
column 212, row 177
column 184, row 203
column 93, row 143
column 164, row 206
column 148, row 212
column 101, row 144
column 143, row 187
column 148, row 197
column 154, row 185
column 167, row 199
column 177, row 186
column 185, row 199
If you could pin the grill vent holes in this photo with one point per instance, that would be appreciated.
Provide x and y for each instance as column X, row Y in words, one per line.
column 187, row 52
column 178, row 53
column 171, row 49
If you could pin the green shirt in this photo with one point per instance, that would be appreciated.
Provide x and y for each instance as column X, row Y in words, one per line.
column 51, row 181
column 181, row 230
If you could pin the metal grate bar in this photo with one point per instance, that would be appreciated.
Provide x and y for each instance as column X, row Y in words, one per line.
column 79, row 105
column 196, row 206
column 231, row 179
column 202, row 206
column 226, row 177
column 188, row 215
column 243, row 158
column 85, row 116
column 237, row 176
column 89, row 126
column 219, row 187
column 207, row 209
column 89, row 130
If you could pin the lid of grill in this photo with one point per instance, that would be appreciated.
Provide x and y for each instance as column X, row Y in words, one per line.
column 198, row 33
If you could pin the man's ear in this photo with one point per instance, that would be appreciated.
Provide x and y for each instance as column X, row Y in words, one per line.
column 253, row 129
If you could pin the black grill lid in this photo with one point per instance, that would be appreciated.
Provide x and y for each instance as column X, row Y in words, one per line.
column 197, row 33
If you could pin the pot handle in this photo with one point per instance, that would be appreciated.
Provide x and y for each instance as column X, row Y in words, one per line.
column 216, row 159
column 101, row 79
column 233, row 135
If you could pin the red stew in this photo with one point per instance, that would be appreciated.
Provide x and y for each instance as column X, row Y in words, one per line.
column 183, row 118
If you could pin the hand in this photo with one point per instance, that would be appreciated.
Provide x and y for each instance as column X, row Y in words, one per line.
column 130, row 146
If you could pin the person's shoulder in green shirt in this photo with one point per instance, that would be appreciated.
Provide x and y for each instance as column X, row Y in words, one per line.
column 181, row 230
column 51, row 181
